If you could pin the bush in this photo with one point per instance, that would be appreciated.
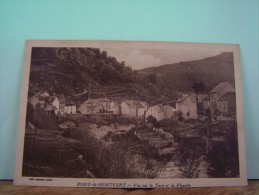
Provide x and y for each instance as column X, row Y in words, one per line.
column 189, row 167
column 153, row 120
column 224, row 157
column 29, row 113
column 57, row 158
column 43, row 120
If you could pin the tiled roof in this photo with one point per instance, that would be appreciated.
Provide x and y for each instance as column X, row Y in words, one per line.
column 91, row 101
column 219, row 87
column 183, row 98
column 95, row 101
column 51, row 99
column 157, row 108
column 103, row 100
column 62, row 100
column 138, row 104
column 168, row 107
column 134, row 104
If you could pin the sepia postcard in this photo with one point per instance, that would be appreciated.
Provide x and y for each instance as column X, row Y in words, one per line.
column 130, row 114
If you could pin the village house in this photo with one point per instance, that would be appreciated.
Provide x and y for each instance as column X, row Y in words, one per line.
column 156, row 111
column 133, row 108
column 115, row 107
column 50, row 104
column 222, row 98
column 169, row 112
column 203, row 101
column 105, row 103
column 54, row 103
column 44, row 94
column 62, row 103
column 90, row 106
column 35, row 99
column 187, row 106
column 70, row 107
column 206, row 102
column 42, row 100
column 94, row 106
column 227, row 103
column 198, row 97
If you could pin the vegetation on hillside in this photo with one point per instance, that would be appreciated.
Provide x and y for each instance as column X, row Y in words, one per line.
column 72, row 71
column 180, row 76
column 74, row 151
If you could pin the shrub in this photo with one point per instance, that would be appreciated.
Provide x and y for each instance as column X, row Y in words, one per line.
column 153, row 120
column 43, row 120
column 224, row 157
column 189, row 167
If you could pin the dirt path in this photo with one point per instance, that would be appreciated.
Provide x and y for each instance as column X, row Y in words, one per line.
column 203, row 168
column 170, row 171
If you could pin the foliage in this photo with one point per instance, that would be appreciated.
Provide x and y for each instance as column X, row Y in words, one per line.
column 180, row 76
column 152, row 78
column 115, row 161
column 179, row 115
column 189, row 167
column 198, row 87
column 224, row 157
column 71, row 70
column 153, row 120
column 47, row 154
column 189, row 158
column 29, row 112
column 44, row 120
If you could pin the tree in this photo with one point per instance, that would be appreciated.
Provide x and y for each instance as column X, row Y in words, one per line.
column 153, row 120
column 189, row 168
column 30, row 111
column 152, row 78
column 198, row 87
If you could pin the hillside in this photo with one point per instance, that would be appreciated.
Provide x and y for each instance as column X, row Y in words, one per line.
column 74, row 70
column 92, row 72
column 180, row 76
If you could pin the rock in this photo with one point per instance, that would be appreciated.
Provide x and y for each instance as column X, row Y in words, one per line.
column 166, row 151
column 163, row 133
column 67, row 124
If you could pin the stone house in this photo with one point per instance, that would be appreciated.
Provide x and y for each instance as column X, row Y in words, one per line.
column 133, row 108
column 90, row 106
column 70, row 108
column 222, row 96
column 157, row 112
column 187, row 106
column 169, row 112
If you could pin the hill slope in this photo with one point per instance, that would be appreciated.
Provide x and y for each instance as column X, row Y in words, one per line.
column 74, row 70
column 180, row 76
column 85, row 71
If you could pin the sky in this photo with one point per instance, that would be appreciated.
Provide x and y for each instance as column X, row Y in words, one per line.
column 144, row 58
